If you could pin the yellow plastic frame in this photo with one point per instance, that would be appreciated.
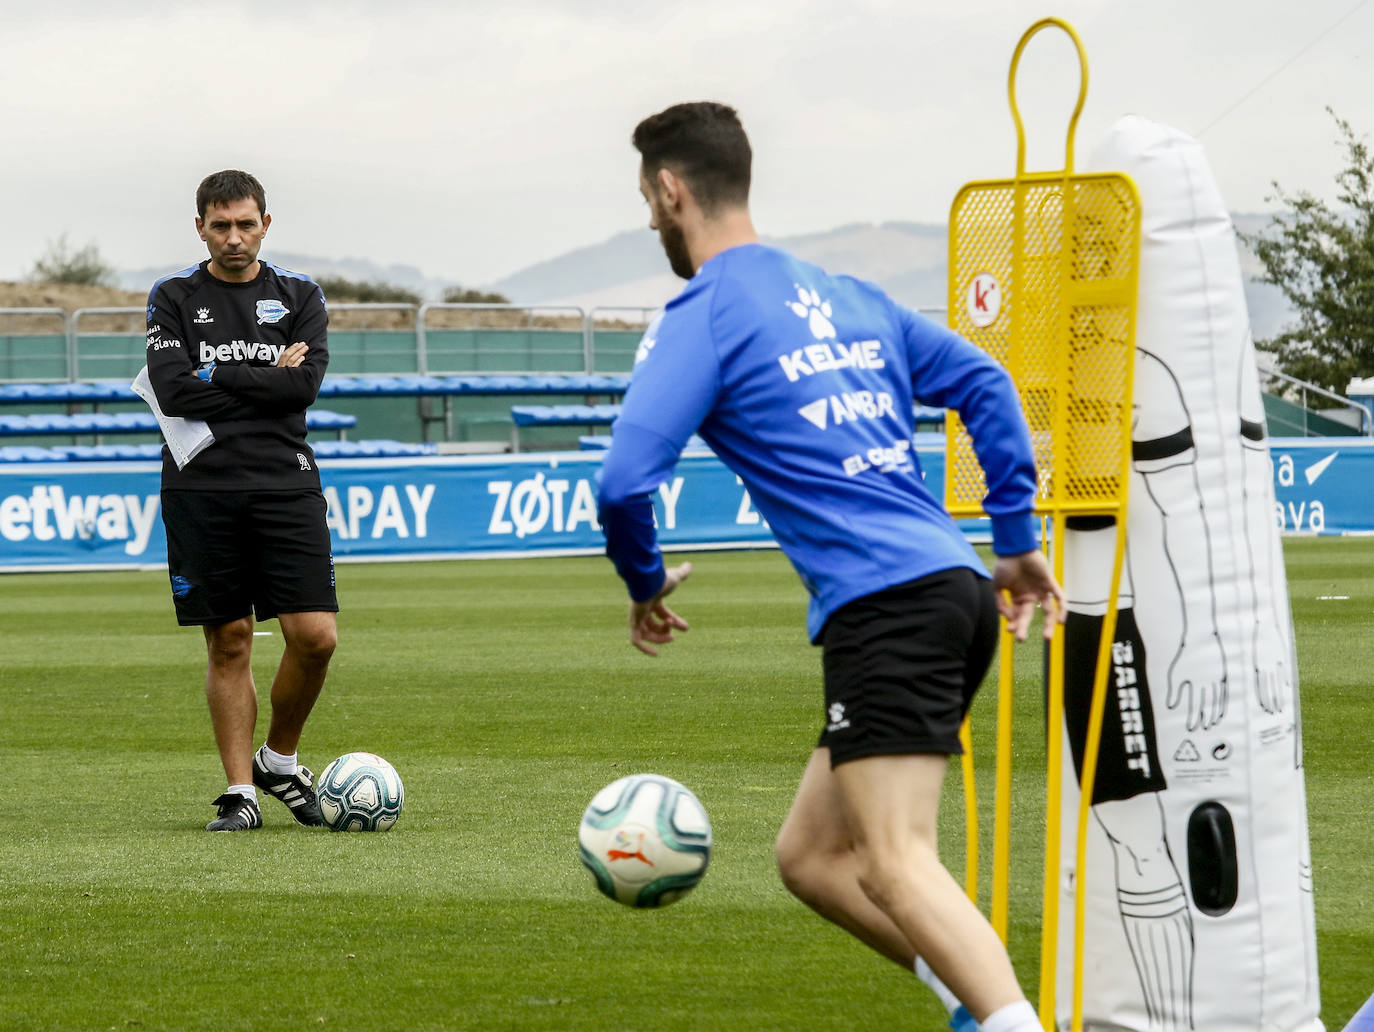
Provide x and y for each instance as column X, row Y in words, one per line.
column 1065, row 329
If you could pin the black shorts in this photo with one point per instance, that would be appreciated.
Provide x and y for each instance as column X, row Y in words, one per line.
column 1128, row 756
column 902, row 665
column 233, row 553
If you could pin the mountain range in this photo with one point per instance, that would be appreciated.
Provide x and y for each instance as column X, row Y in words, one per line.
column 908, row 259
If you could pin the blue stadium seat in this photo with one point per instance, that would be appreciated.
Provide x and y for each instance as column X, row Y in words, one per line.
column 371, row 449
column 559, row 415
column 600, row 442
column 153, row 452
column 66, row 393
column 97, row 423
column 476, row 384
column 928, row 416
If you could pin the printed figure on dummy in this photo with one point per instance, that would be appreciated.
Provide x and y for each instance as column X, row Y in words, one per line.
column 1202, row 829
column 1149, row 889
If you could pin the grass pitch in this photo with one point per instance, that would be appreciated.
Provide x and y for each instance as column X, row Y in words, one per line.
column 506, row 694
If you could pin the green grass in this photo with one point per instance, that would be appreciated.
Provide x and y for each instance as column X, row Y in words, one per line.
column 506, row 694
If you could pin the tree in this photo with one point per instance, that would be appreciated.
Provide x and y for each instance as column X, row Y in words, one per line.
column 1322, row 259
column 84, row 266
column 337, row 288
column 468, row 296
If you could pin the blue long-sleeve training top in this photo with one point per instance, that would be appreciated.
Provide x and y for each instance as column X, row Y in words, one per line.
column 803, row 384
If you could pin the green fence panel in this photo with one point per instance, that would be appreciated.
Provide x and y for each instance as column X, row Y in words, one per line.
column 373, row 351
column 613, row 351
column 110, row 356
column 26, row 357
column 1289, row 419
column 502, row 350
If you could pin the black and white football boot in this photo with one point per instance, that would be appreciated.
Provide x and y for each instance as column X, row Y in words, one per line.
column 296, row 790
column 236, row 813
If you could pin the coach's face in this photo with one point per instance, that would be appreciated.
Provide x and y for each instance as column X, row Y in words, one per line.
column 670, row 232
column 233, row 235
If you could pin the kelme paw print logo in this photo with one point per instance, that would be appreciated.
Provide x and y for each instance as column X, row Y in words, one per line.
column 816, row 312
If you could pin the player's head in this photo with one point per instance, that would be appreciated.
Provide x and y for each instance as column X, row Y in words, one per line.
column 703, row 144
column 220, row 188
column 700, row 148
column 231, row 217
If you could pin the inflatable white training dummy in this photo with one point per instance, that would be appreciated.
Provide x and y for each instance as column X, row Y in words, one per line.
column 1199, row 912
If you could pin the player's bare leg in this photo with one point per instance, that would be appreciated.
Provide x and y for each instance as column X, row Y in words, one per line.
column 232, row 696
column 310, row 642
column 818, row 864
column 892, row 803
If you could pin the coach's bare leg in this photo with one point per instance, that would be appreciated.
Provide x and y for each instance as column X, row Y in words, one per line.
column 232, row 696
column 892, row 802
column 818, row 864
column 310, row 641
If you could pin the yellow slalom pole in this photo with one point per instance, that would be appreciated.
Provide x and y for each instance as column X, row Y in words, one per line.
column 1001, row 821
column 970, row 813
column 1088, row 778
column 1054, row 753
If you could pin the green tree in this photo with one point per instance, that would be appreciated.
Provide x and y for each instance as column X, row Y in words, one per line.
column 468, row 296
column 82, row 266
column 337, row 288
column 1322, row 259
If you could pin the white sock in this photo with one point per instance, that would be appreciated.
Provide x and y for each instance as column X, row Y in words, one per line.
column 938, row 987
column 247, row 791
column 1014, row 1017
column 277, row 763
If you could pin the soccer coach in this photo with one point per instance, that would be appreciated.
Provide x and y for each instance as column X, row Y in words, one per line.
column 242, row 345
column 802, row 383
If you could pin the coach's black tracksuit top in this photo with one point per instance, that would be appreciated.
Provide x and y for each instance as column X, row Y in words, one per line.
column 255, row 410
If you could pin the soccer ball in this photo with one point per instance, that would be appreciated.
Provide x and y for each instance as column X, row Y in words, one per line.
column 360, row 791
column 646, row 839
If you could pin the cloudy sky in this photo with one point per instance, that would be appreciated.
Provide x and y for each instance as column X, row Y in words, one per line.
column 476, row 137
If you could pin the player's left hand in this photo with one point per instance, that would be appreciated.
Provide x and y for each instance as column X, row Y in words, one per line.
column 651, row 622
column 293, row 356
column 1023, row 582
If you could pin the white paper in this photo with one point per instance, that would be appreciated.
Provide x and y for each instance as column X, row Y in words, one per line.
column 186, row 438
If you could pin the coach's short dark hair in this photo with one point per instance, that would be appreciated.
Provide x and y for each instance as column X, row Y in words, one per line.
column 221, row 188
column 705, row 144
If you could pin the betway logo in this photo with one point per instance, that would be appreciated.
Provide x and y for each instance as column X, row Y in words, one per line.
column 827, row 355
column 241, row 351
column 47, row 513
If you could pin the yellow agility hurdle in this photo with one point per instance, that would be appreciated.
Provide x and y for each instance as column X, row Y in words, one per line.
column 1043, row 275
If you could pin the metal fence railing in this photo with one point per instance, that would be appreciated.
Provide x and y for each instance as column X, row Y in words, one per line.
column 1313, row 420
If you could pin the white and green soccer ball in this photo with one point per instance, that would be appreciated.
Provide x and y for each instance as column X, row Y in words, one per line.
column 360, row 791
column 646, row 840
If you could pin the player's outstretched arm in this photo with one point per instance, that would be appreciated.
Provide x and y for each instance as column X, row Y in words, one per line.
column 1023, row 582
column 651, row 622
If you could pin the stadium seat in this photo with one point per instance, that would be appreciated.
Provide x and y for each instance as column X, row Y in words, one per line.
column 153, row 452
column 558, row 415
column 600, row 442
column 99, row 423
column 476, row 384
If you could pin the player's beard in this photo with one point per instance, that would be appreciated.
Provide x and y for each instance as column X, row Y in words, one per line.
column 675, row 247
